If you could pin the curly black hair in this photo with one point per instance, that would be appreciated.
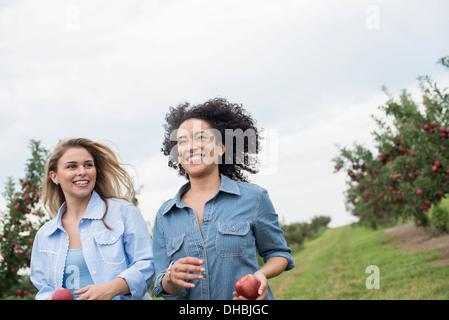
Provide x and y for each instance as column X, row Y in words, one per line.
column 238, row 130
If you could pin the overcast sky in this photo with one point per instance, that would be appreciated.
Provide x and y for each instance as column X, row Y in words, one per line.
column 310, row 72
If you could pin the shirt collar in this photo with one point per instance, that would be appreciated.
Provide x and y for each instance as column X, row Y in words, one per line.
column 95, row 210
column 227, row 185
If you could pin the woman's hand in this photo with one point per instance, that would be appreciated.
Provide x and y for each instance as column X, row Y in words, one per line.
column 272, row 267
column 104, row 291
column 263, row 288
column 178, row 272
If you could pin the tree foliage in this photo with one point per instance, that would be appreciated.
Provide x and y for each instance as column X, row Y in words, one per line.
column 295, row 233
column 408, row 173
column 19, row 223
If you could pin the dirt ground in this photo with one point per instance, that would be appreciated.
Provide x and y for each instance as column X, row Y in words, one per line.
column 420, row 239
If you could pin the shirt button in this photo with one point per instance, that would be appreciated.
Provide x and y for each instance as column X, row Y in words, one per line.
column 82, row 230
column 94, row 272
column 85, row 249
column 232, row 229
column 206, row 218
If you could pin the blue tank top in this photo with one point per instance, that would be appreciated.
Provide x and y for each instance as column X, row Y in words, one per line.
column 76, row 274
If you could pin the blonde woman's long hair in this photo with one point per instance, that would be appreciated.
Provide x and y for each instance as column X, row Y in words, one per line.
column 112, row 180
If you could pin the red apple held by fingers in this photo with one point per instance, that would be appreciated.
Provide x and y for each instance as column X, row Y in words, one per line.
column 248, row 287
column 62, row 294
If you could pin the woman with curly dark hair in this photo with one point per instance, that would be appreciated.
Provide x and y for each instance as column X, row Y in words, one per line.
column 210, row 233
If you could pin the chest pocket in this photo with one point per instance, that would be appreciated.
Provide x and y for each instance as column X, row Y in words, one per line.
column 231, row 238
column 174, row 248
column 110, row 244
column 49, row 258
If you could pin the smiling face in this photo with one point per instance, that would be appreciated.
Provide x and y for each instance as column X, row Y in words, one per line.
column 76, row 173
column 198, row 152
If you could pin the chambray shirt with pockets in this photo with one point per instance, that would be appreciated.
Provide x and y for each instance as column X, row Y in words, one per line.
column 124, row 252
column 237, row 222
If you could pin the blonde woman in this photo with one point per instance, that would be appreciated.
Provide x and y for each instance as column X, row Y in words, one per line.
column 97, row 245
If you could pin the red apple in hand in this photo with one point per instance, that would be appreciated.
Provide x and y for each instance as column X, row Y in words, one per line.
column 62, row 294
column 248, row 286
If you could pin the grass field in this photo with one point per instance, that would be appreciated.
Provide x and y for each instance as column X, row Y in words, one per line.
column 333, row 266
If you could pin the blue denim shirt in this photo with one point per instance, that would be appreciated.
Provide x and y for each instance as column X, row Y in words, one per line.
column 125, row 251
column 237, row 223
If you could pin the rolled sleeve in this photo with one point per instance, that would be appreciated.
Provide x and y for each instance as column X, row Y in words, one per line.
column 136, row 282
column 159, row 291
column 161, row 264
column 269, row 235
column 139, row 249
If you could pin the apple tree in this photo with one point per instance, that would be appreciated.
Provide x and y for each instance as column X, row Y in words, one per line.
column 19, row 223
column 408, row 172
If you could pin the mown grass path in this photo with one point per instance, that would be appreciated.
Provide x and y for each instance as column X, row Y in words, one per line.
column 333, row 266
